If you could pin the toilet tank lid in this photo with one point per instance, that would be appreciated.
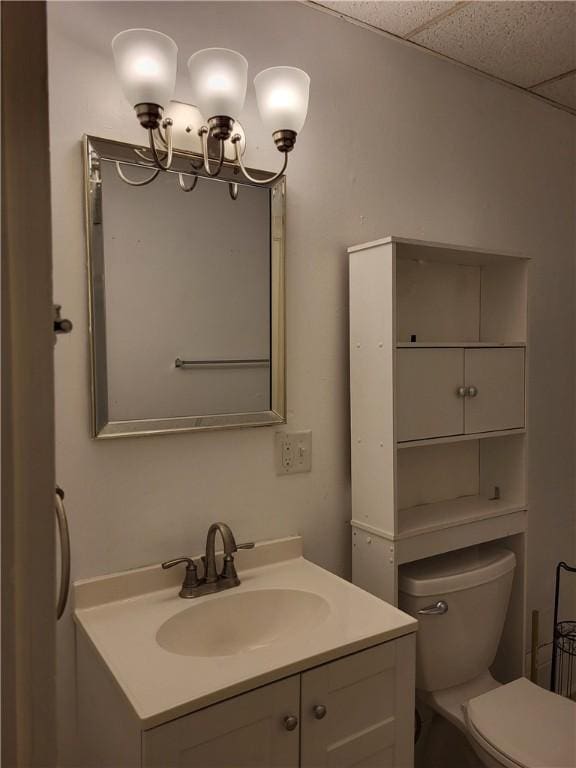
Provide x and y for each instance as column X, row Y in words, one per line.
column 453, row 571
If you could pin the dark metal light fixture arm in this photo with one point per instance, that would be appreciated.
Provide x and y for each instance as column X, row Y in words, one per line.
column 132, row 182
column 183, row 186
column 162, row 136
column 168, row 140
column 203, row 133
column 149, row 162
column 236, row 141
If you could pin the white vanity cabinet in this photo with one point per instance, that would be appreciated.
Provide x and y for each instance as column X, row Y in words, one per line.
column 355, row 711
column 458, row 391
column 327, row 685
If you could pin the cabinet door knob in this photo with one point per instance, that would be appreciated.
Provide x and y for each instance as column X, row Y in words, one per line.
column 319, row 711
column 472, row 391
column 462, row 391
column 290, row 722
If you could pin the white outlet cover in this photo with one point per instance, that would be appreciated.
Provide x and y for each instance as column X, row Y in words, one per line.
column 293, row 452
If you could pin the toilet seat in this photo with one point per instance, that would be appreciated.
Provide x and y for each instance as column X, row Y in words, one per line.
column 521, row 725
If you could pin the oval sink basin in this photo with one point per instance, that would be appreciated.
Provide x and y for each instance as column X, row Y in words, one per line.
column 229, row 624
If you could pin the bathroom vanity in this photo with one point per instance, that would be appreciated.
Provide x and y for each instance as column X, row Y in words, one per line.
column 294, row 667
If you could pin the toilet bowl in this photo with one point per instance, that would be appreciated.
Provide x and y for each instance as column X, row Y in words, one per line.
column 460, row 600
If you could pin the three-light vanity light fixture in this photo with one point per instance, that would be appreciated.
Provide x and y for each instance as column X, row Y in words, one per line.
column 146, row 63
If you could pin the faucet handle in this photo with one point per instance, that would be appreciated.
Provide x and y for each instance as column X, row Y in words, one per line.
column 177, row 560
column 191, row 580
column 228, row 567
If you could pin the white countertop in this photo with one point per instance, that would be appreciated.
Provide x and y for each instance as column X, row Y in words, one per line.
column 121, row 624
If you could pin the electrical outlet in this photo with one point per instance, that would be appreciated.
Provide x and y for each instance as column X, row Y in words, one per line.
column 293, row 451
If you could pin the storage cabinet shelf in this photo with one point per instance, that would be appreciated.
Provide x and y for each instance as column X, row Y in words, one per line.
column 463, row 344
column 446, row 514
column 371, row 546
column 459, row 438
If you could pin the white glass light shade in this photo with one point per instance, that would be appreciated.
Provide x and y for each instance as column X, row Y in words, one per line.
column 219, row 78
column 282, row 95
column 145, row 65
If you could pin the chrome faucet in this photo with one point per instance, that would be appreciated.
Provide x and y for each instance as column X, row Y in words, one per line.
column 212, row 581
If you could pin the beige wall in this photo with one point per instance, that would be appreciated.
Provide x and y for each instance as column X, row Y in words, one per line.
column 397, row 141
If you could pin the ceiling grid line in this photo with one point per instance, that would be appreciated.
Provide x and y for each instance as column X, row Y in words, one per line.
column 525, row 44
column 436, row 19
column 554, row 79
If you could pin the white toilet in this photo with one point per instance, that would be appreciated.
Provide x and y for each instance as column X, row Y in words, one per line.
column 460, row 600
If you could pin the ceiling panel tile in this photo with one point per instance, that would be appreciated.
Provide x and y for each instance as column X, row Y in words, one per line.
column 398, row 17
column 563, row 91
column 522, row 42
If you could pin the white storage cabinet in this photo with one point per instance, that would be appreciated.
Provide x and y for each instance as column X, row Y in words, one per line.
column 438, row 360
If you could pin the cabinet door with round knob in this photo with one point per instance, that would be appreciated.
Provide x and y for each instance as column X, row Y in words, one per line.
column 290, row 722
column 260, row 729
column 496, row 382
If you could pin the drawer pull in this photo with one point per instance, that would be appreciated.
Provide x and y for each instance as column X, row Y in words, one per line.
column 319, row 711
column 290, row 722
column 472, row 391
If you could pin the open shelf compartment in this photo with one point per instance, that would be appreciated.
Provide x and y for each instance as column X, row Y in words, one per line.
column 446, row 297
column 444, row 485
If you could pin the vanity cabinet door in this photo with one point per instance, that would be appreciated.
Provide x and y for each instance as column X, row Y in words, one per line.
column 248, row 731
column 427, row 400
column 496, row 379
column 359, row 711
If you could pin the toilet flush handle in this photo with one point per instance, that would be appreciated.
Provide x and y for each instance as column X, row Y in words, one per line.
column 434, row 610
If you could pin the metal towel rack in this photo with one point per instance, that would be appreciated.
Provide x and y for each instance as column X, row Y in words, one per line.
column 563, row 669
column 257, row 362
column 64, row 553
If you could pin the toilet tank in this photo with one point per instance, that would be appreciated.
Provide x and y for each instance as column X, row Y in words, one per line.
column 460, row 644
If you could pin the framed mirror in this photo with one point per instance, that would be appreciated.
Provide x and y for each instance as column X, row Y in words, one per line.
column 186, row 295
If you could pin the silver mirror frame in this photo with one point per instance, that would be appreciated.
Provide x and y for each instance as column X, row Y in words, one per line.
column 97, row 150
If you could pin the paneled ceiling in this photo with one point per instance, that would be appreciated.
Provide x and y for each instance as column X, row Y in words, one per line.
column 529, row 44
